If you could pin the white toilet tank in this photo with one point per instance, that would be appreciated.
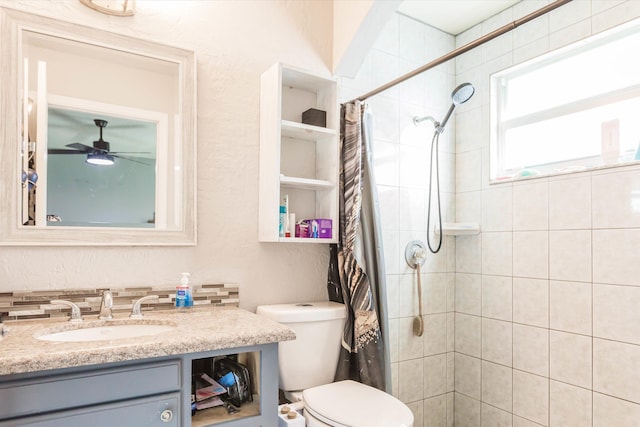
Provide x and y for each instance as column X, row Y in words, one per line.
column 312, row 358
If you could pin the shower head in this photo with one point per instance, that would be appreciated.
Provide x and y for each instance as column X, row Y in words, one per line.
column 460, row 95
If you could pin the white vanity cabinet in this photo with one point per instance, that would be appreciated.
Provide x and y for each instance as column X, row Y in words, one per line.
column 296, row 159
column 152, row 392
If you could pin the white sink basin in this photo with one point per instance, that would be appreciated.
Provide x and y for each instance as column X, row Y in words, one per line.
column 106, row 332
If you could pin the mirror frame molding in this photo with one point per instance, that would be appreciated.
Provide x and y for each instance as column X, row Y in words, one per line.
column 12, row 232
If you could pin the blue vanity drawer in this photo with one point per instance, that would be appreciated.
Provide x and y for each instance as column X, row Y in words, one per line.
column 157, row 411
column 45, row 393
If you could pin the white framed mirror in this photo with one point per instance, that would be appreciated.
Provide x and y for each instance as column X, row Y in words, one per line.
column 98, row 137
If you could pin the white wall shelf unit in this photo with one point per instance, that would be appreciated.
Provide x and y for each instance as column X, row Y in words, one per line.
column 297, row 159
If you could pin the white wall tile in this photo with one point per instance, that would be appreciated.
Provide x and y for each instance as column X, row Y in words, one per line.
column 531, row 206
column 417, row 408
column 468, row 207
column 383, row 106
column 533, row 30
column 623, row 12
column 410, row 346
column 523, row 422
column 435, row 375
column 497, row 385
column 497, row 296
column 467, row 332
column 435, row 334
column 408, row 295
column 616, row 200
column 410, row 380
column 468, row 254
column 467, row 375
column 412, row 209
column 531, row 302
column 570, row 358
column 531, row 349
column 385, row 160
column 393, row 340
column 615, row 256
column 497, row 253
column 413, row 170
column 570, row 306
column 609, row 411
column 569, row 406
column 388, row 39
column 615, row 313
column 412, row 43
column 468, row 171
column 388, row 198
column 434, row 293
column 615, row 369
column 435, row 411
column 531, row 254
column 496, row 342
column 497, row 204
column 468, row 293
column 531, row 396
column 468, row 130
column 569, row 14
column 571, row 34
column 467, row 411
column 570, row 255
column 570, row 203
column 494, row 417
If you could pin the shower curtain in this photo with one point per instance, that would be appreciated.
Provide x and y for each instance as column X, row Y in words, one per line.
column 356, row 271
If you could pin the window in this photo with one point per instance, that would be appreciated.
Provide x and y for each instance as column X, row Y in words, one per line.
column 572, row 109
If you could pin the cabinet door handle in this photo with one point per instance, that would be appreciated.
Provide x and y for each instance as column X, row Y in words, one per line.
column 166, row 415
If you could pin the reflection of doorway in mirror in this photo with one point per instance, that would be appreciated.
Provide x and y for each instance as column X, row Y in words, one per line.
column 119, row 190
column 128, row 193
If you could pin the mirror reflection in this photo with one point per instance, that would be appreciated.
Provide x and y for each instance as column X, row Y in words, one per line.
column 100, row 170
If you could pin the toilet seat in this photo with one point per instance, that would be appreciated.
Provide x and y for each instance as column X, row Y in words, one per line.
column 352, row 404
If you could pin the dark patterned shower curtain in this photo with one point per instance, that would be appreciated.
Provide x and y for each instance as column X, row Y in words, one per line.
column 356, row 270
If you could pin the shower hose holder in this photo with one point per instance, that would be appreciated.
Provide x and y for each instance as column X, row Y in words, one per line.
column 415, row 253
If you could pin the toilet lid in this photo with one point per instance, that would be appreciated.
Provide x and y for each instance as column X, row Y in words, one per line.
column 352, row 404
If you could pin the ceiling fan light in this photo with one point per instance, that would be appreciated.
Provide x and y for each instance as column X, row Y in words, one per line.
column 100, row 159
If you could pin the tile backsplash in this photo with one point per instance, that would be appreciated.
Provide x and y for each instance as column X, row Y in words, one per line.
column 22, row 305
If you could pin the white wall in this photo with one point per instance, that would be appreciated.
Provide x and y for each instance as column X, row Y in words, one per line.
column 547, row 296
column 234, row 41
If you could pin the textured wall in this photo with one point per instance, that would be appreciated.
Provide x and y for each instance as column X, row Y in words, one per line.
column 234, row 43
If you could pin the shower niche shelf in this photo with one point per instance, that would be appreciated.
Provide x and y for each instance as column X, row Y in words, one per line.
column 297, row 159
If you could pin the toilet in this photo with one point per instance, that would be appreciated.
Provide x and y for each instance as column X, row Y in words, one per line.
column 308, row 364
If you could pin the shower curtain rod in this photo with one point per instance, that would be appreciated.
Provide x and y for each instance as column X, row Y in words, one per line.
column 459, row 51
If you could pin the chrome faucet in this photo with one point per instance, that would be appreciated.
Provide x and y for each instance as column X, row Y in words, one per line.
column 136, row 310
column 76, row 316
column 106, row 305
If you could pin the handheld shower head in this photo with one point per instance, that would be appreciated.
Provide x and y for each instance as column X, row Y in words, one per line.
column 460, row 95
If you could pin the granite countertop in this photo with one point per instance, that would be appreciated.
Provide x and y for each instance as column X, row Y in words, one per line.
column 197, row 329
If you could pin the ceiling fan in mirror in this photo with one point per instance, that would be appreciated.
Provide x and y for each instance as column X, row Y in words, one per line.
column 100, row 152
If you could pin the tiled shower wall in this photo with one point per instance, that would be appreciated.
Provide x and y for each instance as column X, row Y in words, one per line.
column 547, row 297
column 422, row 367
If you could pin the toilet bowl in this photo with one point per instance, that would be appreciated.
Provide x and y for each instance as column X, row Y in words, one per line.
column 308, row 364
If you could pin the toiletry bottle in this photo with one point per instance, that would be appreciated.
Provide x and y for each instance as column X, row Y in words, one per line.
column 184, row 298
column 287, row 230
column 283, row 214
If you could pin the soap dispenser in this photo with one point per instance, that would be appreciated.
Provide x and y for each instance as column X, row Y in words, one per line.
column 184, row 297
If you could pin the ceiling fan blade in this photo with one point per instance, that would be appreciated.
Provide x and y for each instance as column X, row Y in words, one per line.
column 132, row 160
column 129, row 152
column 64, row 151
column 81, row 147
